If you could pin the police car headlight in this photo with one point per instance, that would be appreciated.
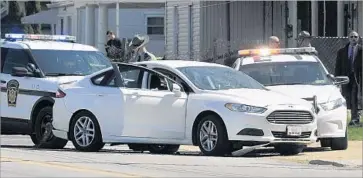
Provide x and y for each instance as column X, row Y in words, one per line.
column 245, row 108
column 334, row 104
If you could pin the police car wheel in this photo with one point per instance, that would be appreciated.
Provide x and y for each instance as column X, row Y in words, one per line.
column 43, row 118
column 85, row 132
column 340, row 143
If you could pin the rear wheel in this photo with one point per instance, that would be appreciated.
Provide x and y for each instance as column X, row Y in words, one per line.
column 138, row 147
column 163, row 149
column 42, row 129
column 212, row 137
column 85, row 132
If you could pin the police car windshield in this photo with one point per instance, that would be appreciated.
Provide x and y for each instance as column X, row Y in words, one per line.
column 287, row 73
column 218, row 78
column 70, row 62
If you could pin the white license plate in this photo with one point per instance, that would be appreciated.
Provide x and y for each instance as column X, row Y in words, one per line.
column 294, row 130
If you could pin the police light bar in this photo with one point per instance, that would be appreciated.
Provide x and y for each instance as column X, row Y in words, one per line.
column 268, row 51
column 64, row 38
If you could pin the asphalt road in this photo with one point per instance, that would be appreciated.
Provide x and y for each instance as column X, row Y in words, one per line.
column 20, row 159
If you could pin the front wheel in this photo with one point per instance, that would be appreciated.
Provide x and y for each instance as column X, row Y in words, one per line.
column 49, row 141
column 85, row 132
column 212, row 137
column 289, row 149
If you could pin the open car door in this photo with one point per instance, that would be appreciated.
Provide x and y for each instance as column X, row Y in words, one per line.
column 237, row 64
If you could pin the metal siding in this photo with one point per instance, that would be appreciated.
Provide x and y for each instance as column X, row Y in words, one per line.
column 246, row 23
column 214, row 28
column 182, row 29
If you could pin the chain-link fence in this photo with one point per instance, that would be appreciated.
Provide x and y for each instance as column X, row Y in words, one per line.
column 226, row 53
column 327, row 48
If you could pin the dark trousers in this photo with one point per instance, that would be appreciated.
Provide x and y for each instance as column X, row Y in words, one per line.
column 354, row 99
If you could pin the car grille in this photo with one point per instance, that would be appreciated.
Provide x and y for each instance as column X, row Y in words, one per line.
column 284, row 135
column 290, row 117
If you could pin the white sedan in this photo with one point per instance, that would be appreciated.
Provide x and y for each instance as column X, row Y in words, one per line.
column 195, row 103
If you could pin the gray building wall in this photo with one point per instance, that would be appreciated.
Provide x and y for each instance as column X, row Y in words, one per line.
column 251, row 22
column 132, row 22
column 182, row 20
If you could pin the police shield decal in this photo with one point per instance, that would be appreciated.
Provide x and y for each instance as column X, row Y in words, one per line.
column 12, row 92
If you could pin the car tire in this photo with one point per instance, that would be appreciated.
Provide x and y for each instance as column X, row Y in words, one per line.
column 289, row 149
column 220, row 144
column 340, row 143
column 163, row 149
column 138, row 147
column 325, row 142
column 79, row 134
column 45, row 117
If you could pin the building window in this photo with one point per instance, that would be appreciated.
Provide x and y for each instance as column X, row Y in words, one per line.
column 155, row 25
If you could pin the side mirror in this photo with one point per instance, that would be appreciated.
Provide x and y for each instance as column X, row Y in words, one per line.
column 341, row 80
column 176, row 89
column 21, row 72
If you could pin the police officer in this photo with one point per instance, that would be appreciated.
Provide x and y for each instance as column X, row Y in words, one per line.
column 274, row 42
column 303, row 39
column 113, row 47
column 349, row 63
column 138, row 49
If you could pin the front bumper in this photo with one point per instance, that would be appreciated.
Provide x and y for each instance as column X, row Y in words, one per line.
column 332, row 123
column 256, row 128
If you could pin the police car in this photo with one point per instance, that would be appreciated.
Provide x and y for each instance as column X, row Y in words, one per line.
column 32, row 66
column 298, row 72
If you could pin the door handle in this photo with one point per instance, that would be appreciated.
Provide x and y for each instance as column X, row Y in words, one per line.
column 3, row 81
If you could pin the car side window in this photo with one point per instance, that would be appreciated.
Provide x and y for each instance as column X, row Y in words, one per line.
column 4, row 52
column 156, row 82
column 132, row 76
column 178, row 80
column 106, row 79
column 15, row 58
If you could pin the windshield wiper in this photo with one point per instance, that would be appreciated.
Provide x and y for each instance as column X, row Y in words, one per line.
column 62, row 74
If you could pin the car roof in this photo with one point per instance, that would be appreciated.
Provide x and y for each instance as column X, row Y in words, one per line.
column 50, row 45
column 280, row 58
column 179, row 63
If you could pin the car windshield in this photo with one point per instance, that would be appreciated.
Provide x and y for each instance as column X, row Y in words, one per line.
column 70, row 62
column 287, row 73
column 218, row 78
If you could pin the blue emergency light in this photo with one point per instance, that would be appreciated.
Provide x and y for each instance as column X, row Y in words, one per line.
column 15, row 37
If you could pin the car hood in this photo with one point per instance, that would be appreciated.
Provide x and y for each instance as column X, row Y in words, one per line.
column 261, row 98
column 322, row 92
column 65, row 79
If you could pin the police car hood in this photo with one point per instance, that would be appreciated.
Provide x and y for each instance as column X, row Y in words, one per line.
column 322, row 92
column 65, row 79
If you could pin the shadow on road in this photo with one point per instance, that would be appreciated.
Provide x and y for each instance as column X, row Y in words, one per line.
column 262, row 152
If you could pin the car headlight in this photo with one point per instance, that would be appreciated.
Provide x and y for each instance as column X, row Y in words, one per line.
column 245, row 108
column 331, row 105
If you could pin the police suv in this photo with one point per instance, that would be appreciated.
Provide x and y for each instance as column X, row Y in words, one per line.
column 32, row 67
column 298, row 72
